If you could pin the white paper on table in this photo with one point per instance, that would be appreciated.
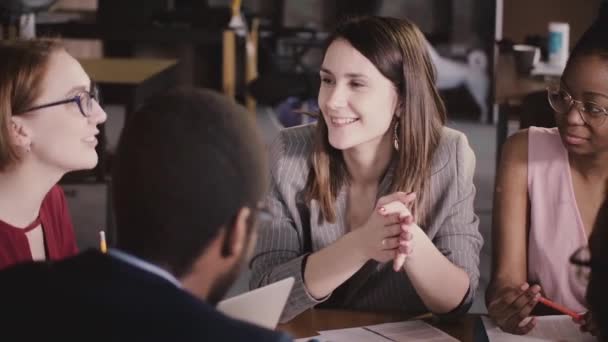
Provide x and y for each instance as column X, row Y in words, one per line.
column 548, row 328
column 399, row 332
column 350, row 335
column 411, row 331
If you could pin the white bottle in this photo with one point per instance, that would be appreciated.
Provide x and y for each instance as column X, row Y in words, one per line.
column 559, row 43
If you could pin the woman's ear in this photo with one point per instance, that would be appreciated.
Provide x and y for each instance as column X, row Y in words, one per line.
column 20, row 135
column 398, row 108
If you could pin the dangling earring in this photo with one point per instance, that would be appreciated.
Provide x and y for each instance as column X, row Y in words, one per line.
column 396, row 136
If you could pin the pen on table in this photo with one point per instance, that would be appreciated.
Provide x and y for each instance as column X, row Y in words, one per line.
column 102, row 242
column 560, row 308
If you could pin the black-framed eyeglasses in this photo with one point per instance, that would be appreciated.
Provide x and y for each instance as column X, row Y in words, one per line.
column 561, row 102
column 84, row 99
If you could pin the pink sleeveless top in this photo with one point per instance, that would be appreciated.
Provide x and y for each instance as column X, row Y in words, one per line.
column 556, row 227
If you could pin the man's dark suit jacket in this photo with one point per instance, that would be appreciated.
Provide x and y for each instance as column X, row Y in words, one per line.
column 96, row 297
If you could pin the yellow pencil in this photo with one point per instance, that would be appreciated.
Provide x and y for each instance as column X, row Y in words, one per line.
column 102, row 242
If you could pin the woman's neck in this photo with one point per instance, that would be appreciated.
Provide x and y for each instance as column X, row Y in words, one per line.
column 367, row 163
column 23, row 188
column 591, row 167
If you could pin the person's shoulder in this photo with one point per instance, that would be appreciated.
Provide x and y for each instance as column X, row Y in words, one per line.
column 54, row 198
column 538, row 137
column 296, row 140
column 452, row 138
column 291, row 150
column 544, row 142
column 36, row 284
column 543, row 132
column 515, row 148
column 56, row 272
column 26, row 274
column 55, row 216
column 453, row 147
column 54, row 203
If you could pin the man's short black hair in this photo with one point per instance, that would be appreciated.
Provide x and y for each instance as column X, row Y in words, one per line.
column 187, row 161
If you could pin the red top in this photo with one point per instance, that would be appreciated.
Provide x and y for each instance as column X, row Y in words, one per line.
column 59, row 238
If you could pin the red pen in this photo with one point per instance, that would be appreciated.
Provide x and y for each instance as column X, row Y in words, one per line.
column 560, row 308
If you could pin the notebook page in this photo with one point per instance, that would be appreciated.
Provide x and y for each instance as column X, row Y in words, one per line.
column 548, row 328
column 411, row 331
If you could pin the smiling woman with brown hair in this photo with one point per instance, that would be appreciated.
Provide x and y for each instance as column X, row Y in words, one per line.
column 373, row 206
column 48, row 126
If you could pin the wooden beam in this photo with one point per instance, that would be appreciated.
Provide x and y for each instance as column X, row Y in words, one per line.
column 251, row 66
column 229, row 63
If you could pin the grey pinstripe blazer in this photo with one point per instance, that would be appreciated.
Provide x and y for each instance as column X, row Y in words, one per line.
column 295, row 230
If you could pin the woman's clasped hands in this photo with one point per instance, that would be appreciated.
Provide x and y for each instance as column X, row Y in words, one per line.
column 388, row 232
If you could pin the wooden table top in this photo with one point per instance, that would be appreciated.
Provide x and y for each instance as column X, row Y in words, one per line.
column 124, row 70
column 311, row 321
column 512, row 86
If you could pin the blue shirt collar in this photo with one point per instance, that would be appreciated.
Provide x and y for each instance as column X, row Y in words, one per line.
column 144, row 265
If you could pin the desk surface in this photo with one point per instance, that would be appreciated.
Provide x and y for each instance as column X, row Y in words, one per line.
column 124, row 70
column 311, row 321
column 511, row 86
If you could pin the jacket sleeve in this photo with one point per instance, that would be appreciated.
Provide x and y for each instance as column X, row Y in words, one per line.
column 459, row 238
column 280, row 245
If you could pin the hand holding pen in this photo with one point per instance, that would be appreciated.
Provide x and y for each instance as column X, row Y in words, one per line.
column 587, row 323
column 512, row 307
column 585, row 319
column 560, row 308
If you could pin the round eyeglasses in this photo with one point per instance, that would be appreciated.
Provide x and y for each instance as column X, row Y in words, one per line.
column 83, row 99
column 561, row 102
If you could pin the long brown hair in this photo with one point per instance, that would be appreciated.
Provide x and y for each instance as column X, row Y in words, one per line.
column 398, row 50
column 22, row 68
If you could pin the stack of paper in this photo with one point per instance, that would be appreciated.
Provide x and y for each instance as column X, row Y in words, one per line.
column 400, row 332
column 548, row 328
